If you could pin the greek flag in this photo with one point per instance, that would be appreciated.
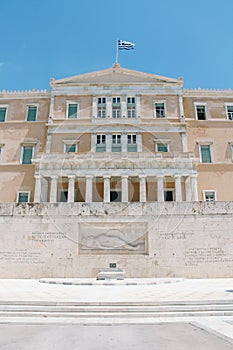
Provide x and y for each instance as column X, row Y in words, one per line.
column 125, row 45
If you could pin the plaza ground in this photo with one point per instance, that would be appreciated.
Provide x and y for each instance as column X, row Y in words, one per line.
column 171, row 314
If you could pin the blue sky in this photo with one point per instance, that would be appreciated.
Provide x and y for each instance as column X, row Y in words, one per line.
column 55, row 38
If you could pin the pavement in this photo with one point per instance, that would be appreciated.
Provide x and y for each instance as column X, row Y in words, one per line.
column 189, row 304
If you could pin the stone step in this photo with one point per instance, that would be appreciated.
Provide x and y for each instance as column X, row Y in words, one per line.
column 115, row 308
column 142, row 314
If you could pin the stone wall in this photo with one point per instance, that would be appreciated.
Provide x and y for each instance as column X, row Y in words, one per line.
column 192, row 240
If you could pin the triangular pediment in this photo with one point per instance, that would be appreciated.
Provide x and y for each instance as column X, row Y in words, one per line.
column 115, row 75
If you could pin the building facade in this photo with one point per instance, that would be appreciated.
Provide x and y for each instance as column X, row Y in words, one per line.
column 116, row 135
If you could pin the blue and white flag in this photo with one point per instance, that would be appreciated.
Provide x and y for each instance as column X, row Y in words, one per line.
column 125, row 45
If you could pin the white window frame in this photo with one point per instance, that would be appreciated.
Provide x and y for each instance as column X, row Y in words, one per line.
column 22, row 147
column 32, row 105
column 116, row 138
column 165, row 108
column 101, row 109
column 7, row 107
column 70, row 142
column 201, row 104
column 18, row 193
column 211, row 151
column 204, row 195
column 230, row 104
column 67, row 109
column 164, row 142
column 116, row 98
column 101, row 137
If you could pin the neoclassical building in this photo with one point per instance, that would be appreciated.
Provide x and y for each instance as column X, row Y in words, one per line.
column 116, row 135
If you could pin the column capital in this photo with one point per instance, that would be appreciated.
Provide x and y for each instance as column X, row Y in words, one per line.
column 124, row 176
column 107, row 176
column 177, row 176
column 193, row 176
column 53, row 177
column 38, row 176
column 89, row 176
column 160, row 176
column 143, row 176
column 71, row 176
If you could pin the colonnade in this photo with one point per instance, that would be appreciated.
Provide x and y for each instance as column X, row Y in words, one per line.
column 190, row 188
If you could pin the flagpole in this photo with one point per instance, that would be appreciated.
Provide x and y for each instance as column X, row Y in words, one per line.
column 117, row 50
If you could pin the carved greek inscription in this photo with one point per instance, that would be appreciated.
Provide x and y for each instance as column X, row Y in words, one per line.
column 175, row 235
column 46, row 236
column 21, row 256
column 198, row 256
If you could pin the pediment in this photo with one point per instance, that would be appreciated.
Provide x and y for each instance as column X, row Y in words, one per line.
column 115, row 75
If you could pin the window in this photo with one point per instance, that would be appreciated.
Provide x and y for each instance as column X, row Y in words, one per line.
column 31, row 113
column 161, row 147
column 70, row 148
column 116, row 143
column 132, row 143
column 27, row 154
column 72, row 111
column 200, row 112
column 101, row 107
column 23, row 197
column 131, row 108
column 230, row 112
column 209, row 196
column 3, row 110
column 116, row 107
column 160, row 110
column 100, row 143
column 205, row 153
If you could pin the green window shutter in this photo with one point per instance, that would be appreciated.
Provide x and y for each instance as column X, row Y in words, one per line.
column 205, row 154
column 23, row 197
column 131, row 148
column 27, row 155
column 32, row 111
column 101, row 147
column 2, row 114
column 70, row 148
column 116, row 148
column 161, row 147
column 230, row 108
column 72, row 111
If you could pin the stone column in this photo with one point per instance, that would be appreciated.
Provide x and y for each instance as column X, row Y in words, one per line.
column 178, row 188
column 193, row 185
column 53, row 189
column 138, row 106
column 37, row 194
column 94, row 107
column 107, row 188
column 160, row 188
column 181, row 106
column 71, row 183
column 142, row 197
column 124, row 188
column 184, row 142
column 93, row 142
column 188, row 190
column 108, row 143
column 89, row 187
column 123, row 107
column 139, row 142
column 124, row 142
column 108, row 107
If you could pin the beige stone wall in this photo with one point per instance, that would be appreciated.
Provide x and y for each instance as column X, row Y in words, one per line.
column 83, row 141
column 215, row 107
column 84, row 102
column 171, row 102
column 173, row 139
column 191, row 240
